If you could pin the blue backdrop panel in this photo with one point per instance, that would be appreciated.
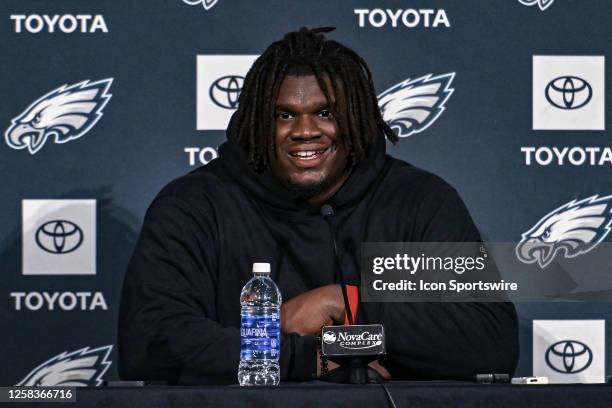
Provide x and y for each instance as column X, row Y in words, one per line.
column 143, row 118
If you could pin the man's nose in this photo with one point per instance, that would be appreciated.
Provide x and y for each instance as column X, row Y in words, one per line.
column 305, row 128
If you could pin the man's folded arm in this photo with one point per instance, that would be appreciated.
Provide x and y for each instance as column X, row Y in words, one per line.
column 168, row 327
column 448, row 340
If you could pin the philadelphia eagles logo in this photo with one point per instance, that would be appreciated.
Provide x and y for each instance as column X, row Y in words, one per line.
column 65, row 114
column 543, row 4
column 414, row 104
column 81, row 368
column 207, row 4
column 573, row 229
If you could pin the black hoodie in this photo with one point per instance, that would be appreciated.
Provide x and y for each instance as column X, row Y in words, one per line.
column 180, row 306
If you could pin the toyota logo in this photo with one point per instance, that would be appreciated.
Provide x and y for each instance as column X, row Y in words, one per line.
column 568, row 92
column 59, row 237
column 569, row 356
column 224, row 92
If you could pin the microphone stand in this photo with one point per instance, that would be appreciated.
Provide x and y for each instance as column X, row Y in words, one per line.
column 328, row 212
column 352, row 370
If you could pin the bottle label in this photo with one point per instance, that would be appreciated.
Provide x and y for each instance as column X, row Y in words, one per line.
column 259, row 336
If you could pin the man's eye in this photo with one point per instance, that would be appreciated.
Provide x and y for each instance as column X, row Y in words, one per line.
column 283, row 115
column 325, row 114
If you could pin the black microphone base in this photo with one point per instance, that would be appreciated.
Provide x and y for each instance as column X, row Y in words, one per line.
column 352, row 371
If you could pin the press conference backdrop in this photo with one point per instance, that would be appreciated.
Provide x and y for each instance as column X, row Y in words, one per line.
column 104, row 102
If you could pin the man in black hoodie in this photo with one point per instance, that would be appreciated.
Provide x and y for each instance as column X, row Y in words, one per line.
column 307, row 132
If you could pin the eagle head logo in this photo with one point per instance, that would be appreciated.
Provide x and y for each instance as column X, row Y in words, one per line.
column 80, row 368
column 65, row 113
column 543, row 4
column 207, row 4
column 414, row 104
column 574, row 229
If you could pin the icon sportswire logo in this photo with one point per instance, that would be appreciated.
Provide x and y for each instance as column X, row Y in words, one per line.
column 411, row 106
column 81, row 368
column 573, row 229
column 66, row 113
column 542, row 4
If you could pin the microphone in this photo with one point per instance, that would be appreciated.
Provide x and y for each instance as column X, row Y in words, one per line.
column 351, row 346
column 327, row 211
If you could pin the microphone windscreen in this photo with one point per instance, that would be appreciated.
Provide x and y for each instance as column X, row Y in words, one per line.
column 327, row 210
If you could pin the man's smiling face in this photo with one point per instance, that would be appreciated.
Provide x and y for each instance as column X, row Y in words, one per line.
column 310, row 155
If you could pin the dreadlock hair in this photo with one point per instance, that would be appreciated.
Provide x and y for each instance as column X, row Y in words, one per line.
column 309, row 52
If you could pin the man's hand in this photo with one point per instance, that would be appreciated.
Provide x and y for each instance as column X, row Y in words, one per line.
column 380, row 369
column 384, row 373
column 306, row 313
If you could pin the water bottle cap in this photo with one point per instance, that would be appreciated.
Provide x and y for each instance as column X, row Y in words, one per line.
column 261, row 267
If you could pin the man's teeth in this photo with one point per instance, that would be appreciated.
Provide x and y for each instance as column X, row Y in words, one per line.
column 308, row 154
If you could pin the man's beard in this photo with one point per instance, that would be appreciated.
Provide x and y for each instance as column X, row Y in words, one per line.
column 300, row 192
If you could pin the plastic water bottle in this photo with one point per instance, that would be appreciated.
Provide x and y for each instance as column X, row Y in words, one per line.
column 260, row 329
